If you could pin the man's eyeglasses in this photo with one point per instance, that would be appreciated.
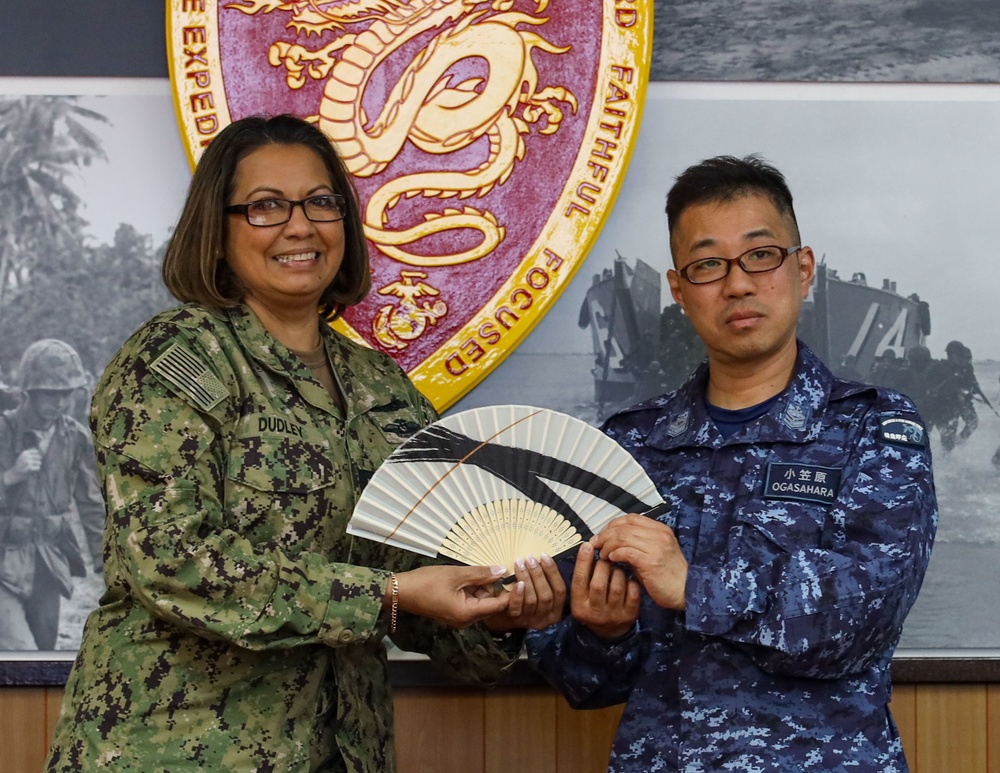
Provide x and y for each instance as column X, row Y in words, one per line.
column 756, row 261
column 328, row 208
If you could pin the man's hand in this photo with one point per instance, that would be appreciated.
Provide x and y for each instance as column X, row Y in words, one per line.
column 602, row 597
column 651, row 549
column 28, row 462
column 536, row 598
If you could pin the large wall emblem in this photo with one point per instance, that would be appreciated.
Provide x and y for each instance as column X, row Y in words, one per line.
column 487, row 141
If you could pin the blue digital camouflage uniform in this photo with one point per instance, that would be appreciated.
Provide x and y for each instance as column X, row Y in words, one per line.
column 808, row 533
column 242, row 627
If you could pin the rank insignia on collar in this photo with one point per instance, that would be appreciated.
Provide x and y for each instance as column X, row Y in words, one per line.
column 678, row 424
column 902, row 432
column 487, row 144
column 794, row 417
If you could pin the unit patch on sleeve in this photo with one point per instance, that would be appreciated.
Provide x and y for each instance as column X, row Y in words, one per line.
column 802, row 482
column 903, row 432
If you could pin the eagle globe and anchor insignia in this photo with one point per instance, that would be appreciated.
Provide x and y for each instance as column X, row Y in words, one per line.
column 487, row 141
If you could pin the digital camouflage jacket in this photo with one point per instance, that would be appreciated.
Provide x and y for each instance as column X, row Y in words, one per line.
column 807, row 533
column 241, row 627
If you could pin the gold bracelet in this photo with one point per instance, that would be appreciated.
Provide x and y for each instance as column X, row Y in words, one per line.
column 394, row 609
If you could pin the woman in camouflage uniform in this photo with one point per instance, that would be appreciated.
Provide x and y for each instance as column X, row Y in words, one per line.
column 242, row 628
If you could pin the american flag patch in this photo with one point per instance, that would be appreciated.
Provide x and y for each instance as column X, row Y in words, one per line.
column 190, row 375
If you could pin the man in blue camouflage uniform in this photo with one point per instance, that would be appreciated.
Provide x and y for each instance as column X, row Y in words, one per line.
column 803, row 510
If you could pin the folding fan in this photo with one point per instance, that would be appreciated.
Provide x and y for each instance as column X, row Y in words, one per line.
column 493, row 484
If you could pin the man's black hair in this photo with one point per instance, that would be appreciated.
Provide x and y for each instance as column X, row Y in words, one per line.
column 726, row 178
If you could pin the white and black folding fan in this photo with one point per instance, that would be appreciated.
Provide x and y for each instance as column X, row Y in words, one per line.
column 493, row 484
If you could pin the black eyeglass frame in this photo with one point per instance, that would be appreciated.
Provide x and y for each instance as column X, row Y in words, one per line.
column 785, row 252
column 244, row 209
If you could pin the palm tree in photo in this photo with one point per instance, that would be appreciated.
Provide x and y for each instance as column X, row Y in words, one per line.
column 43, row 139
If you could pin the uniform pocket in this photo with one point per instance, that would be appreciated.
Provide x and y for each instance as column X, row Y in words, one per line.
column 70, row 547
column 17, row 531
column 280, row 464
column 17, row 567
column 780, row 527
column 280, row 492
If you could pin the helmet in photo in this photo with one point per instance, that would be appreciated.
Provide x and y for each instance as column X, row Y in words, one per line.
column 954, row 347
column 51, row 364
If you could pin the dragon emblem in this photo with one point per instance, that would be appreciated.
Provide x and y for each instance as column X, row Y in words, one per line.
column 487, row 139
column 466, row 94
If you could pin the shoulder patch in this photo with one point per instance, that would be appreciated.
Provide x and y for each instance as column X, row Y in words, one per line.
column 901, row 431
column 191, row 376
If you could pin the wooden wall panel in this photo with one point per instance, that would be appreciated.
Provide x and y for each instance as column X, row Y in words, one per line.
column 993, row 728
column 951, row 729
column 904, row 711
column 583, row 738
column 53, row 702
column 520, row 730
column 23, row 731
column 946, row 728
column 438, row 730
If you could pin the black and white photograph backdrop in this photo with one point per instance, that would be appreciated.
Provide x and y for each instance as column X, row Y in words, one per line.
column 889, row 41
column 895, row 187
column 884, row 118
column 92, row 178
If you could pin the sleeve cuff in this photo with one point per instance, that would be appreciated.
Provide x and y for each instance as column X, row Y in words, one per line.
column 596, row 648
column 354, row 612
column 716, row 599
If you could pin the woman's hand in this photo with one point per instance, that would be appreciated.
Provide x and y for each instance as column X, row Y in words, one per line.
column 535, row 600
column 454, row 595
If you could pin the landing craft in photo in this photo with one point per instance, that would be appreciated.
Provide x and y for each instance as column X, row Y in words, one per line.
column 642, row 349
column 487, row 141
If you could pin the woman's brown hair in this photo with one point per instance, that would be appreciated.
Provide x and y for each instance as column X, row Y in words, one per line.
column 194, row 266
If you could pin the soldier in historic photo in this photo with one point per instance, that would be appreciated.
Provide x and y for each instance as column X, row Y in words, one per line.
column 952, row 388
column 47, row 480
